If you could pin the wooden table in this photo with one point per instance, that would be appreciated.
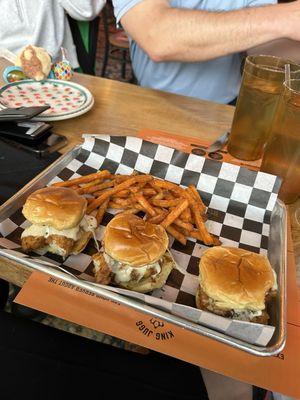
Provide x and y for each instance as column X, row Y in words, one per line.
column 125, row 109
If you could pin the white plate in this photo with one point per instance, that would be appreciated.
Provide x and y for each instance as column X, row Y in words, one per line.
column 73, row 114
column 66, row 99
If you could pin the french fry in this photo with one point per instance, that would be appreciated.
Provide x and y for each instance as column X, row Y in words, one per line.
column 165, row 203
column 204, row 217
column 186, row 215
column 180, row 211
column 100, row 192
column 157, row 219
column 121, row 178
column 160, row 210
column 123, row 194
column 183, row 231
column 148, row 192
column 154, row 186
column 145, row 204
column 171, row 196
column 101, row 211
column 194, row 192
column 206, row 236
column 92, row 183
column 138, row 188
column 124, row 202
column 114, row 205
column 174, row 214
column 84, row 179
column 217, row 241
column 96, row 188
column 185, row 225
column 116, row 189
column 90, row 199
column 177, row 235
column 123, row 206
column 170, row 186
column 130, row 211
column 197, row 235
column 159, row 195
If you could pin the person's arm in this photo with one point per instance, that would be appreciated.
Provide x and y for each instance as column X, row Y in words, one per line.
column 178, row 34
column 286, row 48
column 83, row 10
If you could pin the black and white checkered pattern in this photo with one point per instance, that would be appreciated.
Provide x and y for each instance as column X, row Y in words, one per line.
column 239, row 204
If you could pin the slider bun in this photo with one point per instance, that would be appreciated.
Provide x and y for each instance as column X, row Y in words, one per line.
column 35, row 62
column 58, row 207
column 131, row 240
column 152, row 282
column 235, row 278
column 81, row 243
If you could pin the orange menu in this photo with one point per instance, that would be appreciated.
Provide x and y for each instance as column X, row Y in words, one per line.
column 59, row 298
column 194, row 145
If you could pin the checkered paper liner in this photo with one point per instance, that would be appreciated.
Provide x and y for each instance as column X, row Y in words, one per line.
column 239, row 204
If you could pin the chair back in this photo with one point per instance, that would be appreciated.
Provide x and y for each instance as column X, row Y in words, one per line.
column 85, row 36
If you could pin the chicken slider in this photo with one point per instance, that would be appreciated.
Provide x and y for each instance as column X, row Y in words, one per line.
column 235, row 283
column 134, row 256
column 59, row 223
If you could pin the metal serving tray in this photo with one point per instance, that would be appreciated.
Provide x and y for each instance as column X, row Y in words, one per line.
column 277, row 251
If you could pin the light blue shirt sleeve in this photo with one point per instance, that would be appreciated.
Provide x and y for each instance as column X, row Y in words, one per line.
column 122, row 6
column 256, row 3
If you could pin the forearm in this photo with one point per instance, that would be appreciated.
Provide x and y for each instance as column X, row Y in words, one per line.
column 190, row 35
column 83, row 10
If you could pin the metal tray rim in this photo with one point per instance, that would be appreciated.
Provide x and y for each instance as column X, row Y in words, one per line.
column 11, row 206
column 200, row 329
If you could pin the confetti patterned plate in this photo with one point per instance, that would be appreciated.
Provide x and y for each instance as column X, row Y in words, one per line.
column 66, row 99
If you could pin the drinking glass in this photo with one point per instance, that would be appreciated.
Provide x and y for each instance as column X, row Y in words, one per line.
column 261, row 86
column 282, row 153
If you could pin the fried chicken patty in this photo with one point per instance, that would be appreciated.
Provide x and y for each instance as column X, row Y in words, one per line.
column 104, row 273
column 62, row 242
column 206, row 303
column 30, row 243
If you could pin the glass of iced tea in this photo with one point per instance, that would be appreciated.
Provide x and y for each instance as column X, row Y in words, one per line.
column 282, row 153
column 261, row 86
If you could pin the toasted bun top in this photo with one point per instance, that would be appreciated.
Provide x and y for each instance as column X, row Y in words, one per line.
column 131, row 240
column 58, row 207
column 236, row 278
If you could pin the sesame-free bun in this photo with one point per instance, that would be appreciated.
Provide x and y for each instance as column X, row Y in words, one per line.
column 235, row 278
column 131, row 240
column 35, row 62
column 58, row 207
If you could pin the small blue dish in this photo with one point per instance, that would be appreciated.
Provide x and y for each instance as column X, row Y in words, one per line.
column 14, row 74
